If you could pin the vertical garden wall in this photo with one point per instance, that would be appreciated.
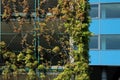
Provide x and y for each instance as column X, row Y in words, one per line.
column 35, row 39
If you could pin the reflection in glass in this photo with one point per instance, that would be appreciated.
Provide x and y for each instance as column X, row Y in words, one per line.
column 110, row 10
column 113, row 42
column 93, row 42
column 94, row 11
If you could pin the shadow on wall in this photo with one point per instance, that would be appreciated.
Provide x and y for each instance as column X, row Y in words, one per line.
column 116, row 76
column 113, row 72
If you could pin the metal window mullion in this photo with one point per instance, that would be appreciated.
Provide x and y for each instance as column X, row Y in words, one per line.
column 35, row 40
column 38, row 33
column 99, row 33
column 99, row 25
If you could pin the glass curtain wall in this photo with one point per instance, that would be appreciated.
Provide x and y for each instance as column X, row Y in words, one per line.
column 107, row 42
column 110, row 10
column 107, row 10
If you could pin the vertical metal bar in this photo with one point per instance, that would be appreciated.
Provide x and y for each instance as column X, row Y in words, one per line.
column 35, row 39
column 99, row 34
column 35, row 36
column 38, row 8
column 99, row 23
column 35, row 8
column 38, row 56
column 38, row 33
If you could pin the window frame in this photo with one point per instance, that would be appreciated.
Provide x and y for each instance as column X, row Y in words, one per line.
column 103, row 15
column 97, row 37
column 99, row 11
column 97, row 4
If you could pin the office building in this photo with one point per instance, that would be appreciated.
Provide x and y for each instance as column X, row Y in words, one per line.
column 105, row 44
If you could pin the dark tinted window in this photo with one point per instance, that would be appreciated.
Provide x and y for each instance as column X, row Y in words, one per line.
column 110, row 42
column 93, row 42
column 113, row 42
column 13, row 41
column 94, row 11
column 110, row 10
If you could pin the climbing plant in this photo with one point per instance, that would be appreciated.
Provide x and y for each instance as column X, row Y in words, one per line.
column 75, row 14
column 49, row 41
column 54, row 26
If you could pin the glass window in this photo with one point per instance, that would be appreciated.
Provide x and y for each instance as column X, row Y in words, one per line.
column 93, row 42
column 110, row 42
column 111, row 10
column 13, row 41
column 113, row 42
column 94, row 11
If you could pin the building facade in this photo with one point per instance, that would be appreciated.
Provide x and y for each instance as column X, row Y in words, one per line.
column 105, row 44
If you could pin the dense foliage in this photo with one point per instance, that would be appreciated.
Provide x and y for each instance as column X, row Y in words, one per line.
column 53, row 28
column 76, row 17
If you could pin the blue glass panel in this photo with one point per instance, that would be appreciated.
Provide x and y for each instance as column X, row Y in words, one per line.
column 108, row 0
column 110, row 26
column 94, row 57
column 94, row 26
column 110, row 57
